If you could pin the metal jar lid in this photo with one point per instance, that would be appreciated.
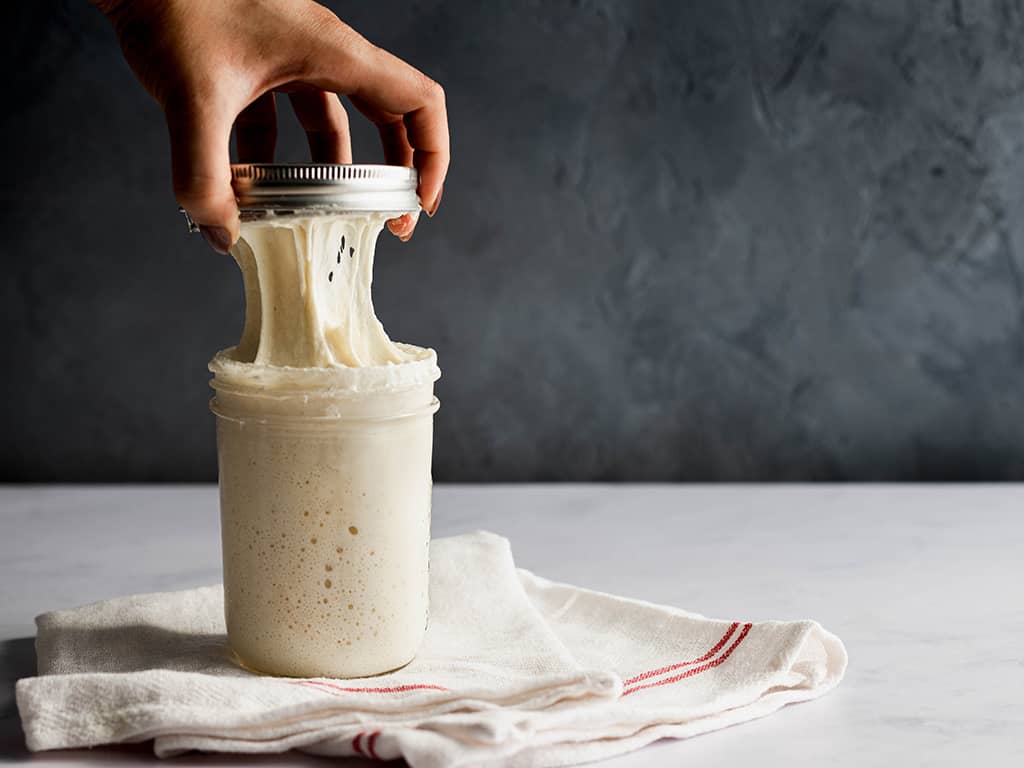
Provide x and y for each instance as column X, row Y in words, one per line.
column 285, row 187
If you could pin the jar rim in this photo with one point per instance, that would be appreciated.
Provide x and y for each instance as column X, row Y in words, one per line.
column 296, row 422
column 284, row 382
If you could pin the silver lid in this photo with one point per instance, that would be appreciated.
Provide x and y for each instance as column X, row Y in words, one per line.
column 287, row 187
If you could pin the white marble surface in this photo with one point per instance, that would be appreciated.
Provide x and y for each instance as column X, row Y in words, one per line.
column 924, row 584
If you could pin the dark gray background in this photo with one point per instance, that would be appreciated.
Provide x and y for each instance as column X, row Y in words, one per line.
column 702, row 240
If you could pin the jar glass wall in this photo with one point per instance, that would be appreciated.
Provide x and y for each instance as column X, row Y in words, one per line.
column 325, row 520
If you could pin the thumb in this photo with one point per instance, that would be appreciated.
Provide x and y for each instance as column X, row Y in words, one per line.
column 201, row 163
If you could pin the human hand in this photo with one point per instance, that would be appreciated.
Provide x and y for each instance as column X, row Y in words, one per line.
column 214, row 64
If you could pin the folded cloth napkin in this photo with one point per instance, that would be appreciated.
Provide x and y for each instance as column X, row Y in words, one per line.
column 515, row 670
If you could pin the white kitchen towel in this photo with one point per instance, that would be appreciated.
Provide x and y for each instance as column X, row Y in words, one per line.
column 515, row 670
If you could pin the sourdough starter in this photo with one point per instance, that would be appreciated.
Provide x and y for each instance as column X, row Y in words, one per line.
column 324, row 448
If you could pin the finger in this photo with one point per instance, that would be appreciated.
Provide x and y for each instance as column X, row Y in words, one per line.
column 427, row 132
column 326, row 124
column 201, row 164
column 403, row 226
column 256, row 130
column 397, row 150
column 385, row 88
column 423, row 133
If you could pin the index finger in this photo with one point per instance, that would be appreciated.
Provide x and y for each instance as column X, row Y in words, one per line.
column 386, row 89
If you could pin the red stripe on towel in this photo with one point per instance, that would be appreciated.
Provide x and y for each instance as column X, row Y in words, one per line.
column 394, row 689
column 714, row 649
column 355, row 743
column 694, row 670
column 369, row 745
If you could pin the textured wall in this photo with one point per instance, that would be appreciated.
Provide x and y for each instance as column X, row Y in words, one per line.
column 680, row 240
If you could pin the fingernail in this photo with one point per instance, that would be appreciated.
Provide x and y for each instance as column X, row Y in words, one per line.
column 437, row 201
column 402, row 227
column 218, row 238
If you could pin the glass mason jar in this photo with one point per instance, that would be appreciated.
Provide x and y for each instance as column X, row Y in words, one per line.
column 325, row 474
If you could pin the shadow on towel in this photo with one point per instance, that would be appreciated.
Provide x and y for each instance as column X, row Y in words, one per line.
column 17, row 660
column 134, row 648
